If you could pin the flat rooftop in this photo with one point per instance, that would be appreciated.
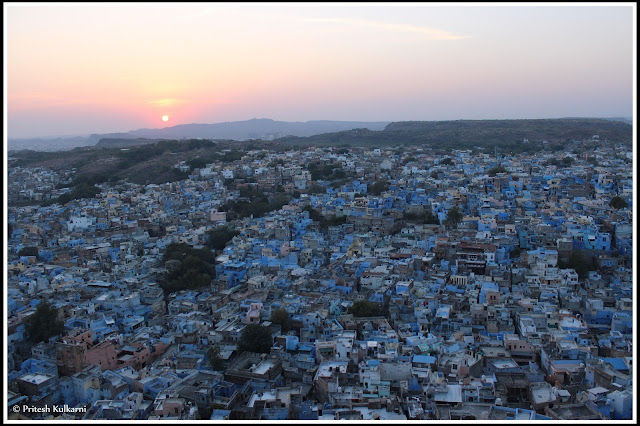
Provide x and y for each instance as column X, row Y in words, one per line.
column 35, row 378
column 264, row 366
column 505, row 363
column 542, row 394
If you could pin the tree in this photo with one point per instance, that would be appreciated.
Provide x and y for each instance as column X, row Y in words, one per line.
column 255, row 338
column 453, row 217
column 364, row 308
column 187, row 267
column 339, row 174
column 430, row 218
column 180, row 251
column 83, row 190
column 426, row 217
column 231, row 156
column 618, row 203
column 379, row 187
column 281, row 317
column 447, row 161
column 28, row 251
column 220, row 236
column 44, row 323
column 197, row 163
column 580, row 262
column 325, row 222
column 316, row 189
column 495, row 170
column 215, row 361
column 567, row 161
column 313, row 213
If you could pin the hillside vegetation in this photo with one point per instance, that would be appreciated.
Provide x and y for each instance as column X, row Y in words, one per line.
column 154, row 161
column 506, row 131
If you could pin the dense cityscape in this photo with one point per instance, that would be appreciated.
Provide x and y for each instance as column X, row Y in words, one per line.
column 327, row 283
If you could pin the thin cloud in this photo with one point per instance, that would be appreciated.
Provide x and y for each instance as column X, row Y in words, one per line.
column 431, row 33
column 163, row 102
column 29, row 101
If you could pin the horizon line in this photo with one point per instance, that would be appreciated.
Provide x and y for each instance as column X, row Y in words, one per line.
column 81, row 135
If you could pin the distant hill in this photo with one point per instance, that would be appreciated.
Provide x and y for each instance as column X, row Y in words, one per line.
column 263, row 128
column 517, row 130
column 325, row 132
column 50, row 144
column 154, row 160
column 257, row 128
column 627, row 120
column 507, row 135
column 116, row 142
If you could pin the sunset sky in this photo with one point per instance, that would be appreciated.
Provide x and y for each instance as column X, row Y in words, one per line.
column 76, row 69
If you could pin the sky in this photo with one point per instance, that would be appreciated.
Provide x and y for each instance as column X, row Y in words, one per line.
column 77, row 69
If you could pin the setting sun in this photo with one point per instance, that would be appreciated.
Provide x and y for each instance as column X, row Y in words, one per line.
column 165, row 118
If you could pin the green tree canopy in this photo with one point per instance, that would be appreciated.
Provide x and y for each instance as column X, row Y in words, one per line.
column 425, row 217
column 447, row 161
column 215, row 360
column 565, row 162
column 495, row 170
column 324, row 221
column 580, row 262
column 313, row 213
column 453, row 217
column 364, row 308
column 220, row 236
column 321, row 171
column 198, row 163
column 379, row 187
column 618, row 203
column 80, row 191
column 43, row 323
column 28, row 251
column 187, row 267
column 231, row 156
column 180, row 251
column 316, row 189
column 255, row 338
column 281, row 317
column 258, row 204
